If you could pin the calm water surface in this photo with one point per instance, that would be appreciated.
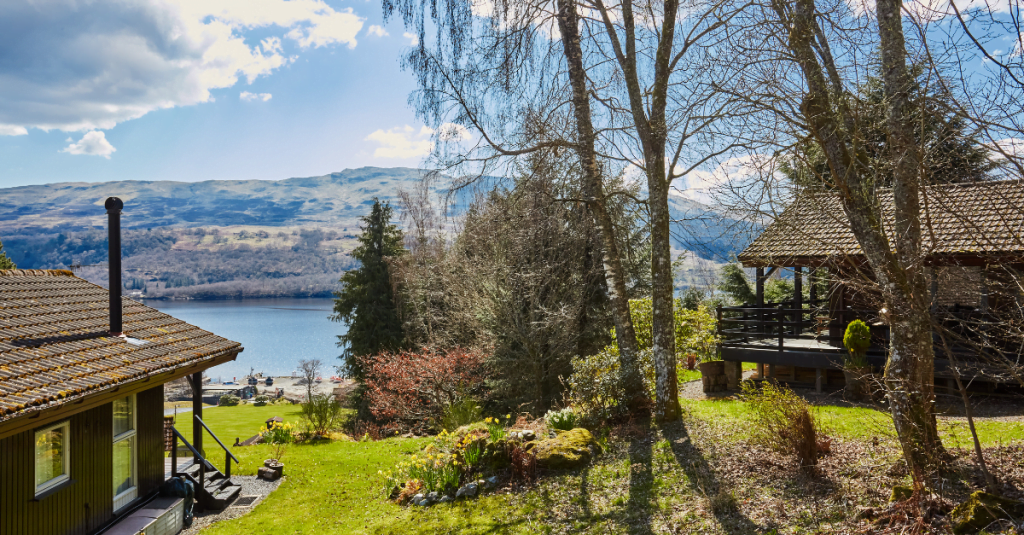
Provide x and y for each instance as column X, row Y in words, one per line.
column 276, row 333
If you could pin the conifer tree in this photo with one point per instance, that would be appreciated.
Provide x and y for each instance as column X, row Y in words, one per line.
column 951, row 153
column 365, row 302
column 5, row 261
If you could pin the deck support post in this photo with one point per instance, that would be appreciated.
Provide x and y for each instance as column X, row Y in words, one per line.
column 792, row 374
column 818, row 379
column 771, row 371
column 760, row 370
column 197, row 411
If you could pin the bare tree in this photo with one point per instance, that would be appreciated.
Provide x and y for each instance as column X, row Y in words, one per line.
column 310, row 370
column 503, row 80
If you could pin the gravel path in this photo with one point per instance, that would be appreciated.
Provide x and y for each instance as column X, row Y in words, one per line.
column 251, row 486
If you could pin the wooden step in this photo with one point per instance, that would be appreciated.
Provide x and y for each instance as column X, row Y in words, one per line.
column 224, row 496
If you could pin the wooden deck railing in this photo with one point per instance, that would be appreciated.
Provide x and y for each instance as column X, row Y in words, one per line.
column 782, row 326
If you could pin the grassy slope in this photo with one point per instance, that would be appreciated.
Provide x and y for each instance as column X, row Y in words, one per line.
column 334, row 488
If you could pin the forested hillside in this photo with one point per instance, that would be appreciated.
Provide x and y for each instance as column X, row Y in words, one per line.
column 244, row 238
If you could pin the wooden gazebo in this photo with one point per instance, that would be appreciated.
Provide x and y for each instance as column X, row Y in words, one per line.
column 972, row 232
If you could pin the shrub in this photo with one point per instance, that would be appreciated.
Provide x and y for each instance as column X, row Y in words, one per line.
column 781, row 421
column 563, row 420
column 414, row 387
column 261, row 400
column 227, row 400
column 322, row 412
column 459, row 414
column 277, row 433
column 696, row 330
column 594, row 383
column 857, row 341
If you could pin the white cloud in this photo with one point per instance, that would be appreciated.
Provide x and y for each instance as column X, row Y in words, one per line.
column 378, row 31
column 1012, row 147
column 413, row 40
column 249, row 97
column 732, row 174
column 402, row 142
column 92, row 143
column 81, row 66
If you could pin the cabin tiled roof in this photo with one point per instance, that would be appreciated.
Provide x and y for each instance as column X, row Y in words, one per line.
column 983, row 218
column 55, row 346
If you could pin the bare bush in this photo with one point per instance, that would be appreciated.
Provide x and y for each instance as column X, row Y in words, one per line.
column 781, row 421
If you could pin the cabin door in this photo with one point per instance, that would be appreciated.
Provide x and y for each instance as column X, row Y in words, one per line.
column 125, row 489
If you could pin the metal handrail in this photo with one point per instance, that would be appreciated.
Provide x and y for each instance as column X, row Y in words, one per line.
column 228, row 455
column 225, row 448
column 174, row 456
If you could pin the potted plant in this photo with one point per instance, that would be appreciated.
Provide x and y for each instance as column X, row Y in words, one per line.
column 273, row 468
column 713, row 376
column 855, row 366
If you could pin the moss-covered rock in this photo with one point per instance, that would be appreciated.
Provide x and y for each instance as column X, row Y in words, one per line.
column 571, row 449
column 982, row 509
column 496, row 455
column 900, row 493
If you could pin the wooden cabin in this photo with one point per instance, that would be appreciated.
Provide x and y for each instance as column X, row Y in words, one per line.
column 973, row 238
column 82, row 370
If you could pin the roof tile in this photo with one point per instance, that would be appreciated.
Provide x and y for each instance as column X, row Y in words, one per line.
column 55, row 345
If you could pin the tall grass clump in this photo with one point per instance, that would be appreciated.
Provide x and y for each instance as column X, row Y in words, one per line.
column 782, row 422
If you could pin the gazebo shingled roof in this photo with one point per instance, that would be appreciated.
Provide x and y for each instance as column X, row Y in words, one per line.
column 55, row 346
column 977, row 219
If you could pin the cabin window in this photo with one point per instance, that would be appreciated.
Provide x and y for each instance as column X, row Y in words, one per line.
column 124, row 452
column 52, row 456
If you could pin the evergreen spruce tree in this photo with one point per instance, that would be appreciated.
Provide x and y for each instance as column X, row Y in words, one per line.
column 734, row 284
column 5, row 261
column 952, row 153
column 365, row 301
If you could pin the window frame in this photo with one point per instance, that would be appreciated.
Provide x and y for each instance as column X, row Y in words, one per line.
column 47, row 486
column 122, row 499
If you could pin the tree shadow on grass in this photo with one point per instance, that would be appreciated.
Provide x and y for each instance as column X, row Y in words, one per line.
column 641, row 481
column 702, row 478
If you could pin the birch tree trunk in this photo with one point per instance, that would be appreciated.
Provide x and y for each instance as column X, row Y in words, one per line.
column 651, row 130
column 910, row 371
column 593, row 187
column 896, row 259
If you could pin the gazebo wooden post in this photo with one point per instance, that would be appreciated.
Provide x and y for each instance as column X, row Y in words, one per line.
column 759, row 295
column 197, row 411
column 812, row 280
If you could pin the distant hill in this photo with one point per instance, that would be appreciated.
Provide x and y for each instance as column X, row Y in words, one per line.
column 245, row 238
column 337, row 199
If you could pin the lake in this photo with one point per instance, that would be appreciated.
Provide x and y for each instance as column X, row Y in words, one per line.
column 276, row 333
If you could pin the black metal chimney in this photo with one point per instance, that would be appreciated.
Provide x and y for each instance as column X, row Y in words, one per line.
column 114, row 206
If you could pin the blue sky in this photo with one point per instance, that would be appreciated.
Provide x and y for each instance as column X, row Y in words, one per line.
column 201, row 89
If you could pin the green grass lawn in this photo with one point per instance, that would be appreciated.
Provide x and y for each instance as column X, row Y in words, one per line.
column 859, row 423
column 242, row 422
column 685, row 376
column 334, row 487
